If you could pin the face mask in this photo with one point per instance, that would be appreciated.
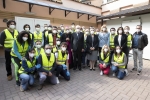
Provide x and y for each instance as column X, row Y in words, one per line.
column 37, row 29
column 118, row 51
column 26, row 29
column 48, row 51
column 24, row 38
column 59, row 31
column 105, row 50
column 54, row 31
column 38, row 46
column 78, row 30
column 58, row 42
column 92, row 32
column 126, row 31
column 63, row 49
column 72, row 26
column 31, row 55
column 112, row 32
column 67, row 31
column 49, row 28
column 97, row 32
column 138, row 30
column 87, row 32
column 62, row 28
column 104, row 29
column 12, row 26
column 120, row 31
column 45, row 28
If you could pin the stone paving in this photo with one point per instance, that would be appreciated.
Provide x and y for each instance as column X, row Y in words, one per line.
column 84, row 85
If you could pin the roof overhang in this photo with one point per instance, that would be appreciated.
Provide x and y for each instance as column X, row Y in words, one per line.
column 52, row 7
column 128, row 12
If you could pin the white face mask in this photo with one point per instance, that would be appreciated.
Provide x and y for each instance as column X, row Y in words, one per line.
column 87, row 32
column 38, row 46
column 26, row 29
column 12, row 26
column 138, row 30
column 112, row 32
column 31, row 55
column 126, row 31
column 104, row 29
column 72, row 26
column 118, row 50
column 59, row 31
column 54, row 31
column 48, row 51
column 67, row 31
column 45, row 28
column 105, row 50
column 78, row 30
column 120, row 31
column 63, row 49
column 92, row 32
column 24, row 38
column 37, row 29
column 49, row 28
column 97, row 32
column 62, row 28
column 58, row 42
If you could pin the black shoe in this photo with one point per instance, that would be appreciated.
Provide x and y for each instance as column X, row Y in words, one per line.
column 74, row 68
column 94, row 69
column 80, row 69
column 40, row 87
column 17, row 83
column 133, row 69
column 91, row 69
column 139, row 72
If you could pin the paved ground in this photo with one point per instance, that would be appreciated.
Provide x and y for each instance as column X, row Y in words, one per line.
column 85, row 85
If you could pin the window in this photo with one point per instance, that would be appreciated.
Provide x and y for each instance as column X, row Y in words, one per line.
column 107, row 1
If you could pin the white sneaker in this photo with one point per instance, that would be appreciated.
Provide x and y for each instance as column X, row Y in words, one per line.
column 114, row 75
column 57, row 80
column 126, row 71
column 101, row 73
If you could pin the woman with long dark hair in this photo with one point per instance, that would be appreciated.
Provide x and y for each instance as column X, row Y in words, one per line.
column 20, row 46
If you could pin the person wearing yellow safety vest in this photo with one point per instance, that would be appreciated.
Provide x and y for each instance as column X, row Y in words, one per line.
column 44, row 33
column 129, row 41
column 27, row 69
column 38, row 35
column 27, row 28
column 105, row 60
column 20, row 46
column 62, row 63
column 119, row 61
column 111, row 41
column 49, row 31
column 57, row 47
column 38, row 48
column 6, row 40
column 46, row 66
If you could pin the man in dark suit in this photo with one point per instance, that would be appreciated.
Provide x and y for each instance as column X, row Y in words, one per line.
column 77, row 46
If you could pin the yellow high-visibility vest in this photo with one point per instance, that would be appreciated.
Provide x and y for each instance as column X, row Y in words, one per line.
column 119, row 60
column 61, row 59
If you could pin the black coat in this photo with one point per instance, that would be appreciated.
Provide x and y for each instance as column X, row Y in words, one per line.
column 77, row 42
column 64, row 36
column 123, row 42
column 89, row 42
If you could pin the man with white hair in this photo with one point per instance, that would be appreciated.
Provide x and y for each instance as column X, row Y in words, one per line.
column 77, row 46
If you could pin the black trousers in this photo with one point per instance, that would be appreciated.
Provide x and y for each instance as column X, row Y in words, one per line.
column 127, row 54
column 77, row 57
column 8, row 62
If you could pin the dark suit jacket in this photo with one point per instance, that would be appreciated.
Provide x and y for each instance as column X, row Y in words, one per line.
column 64, row 36
column 89, row 42
column 77, row 42
column 123, row 42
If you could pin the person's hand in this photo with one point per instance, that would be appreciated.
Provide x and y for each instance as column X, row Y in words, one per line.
column 50, row 74
column 82, row 50
column 38, row 66
column 23, row 58
column 71, row 50
column 116, row 64
column 44, row 73
column 104, row 65
column 64, row 67
column 67, row 38
column 68, row 73
column 91, row 48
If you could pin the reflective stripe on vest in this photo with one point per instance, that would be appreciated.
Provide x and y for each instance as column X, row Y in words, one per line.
column 37, row 53
column 21, row 49
column 8, row 43
column 29, row 64
column 61, row 59
column 105, row 60
column 37, row 36
column 112, row 40
column 119, row 60
column 48, row 64
column 129, row 41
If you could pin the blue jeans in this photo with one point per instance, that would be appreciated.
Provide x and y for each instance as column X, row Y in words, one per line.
column 26, row 79
column 120, row 74
column 62, row 72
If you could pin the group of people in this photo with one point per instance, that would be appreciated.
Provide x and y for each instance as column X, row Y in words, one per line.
column 51, row 53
